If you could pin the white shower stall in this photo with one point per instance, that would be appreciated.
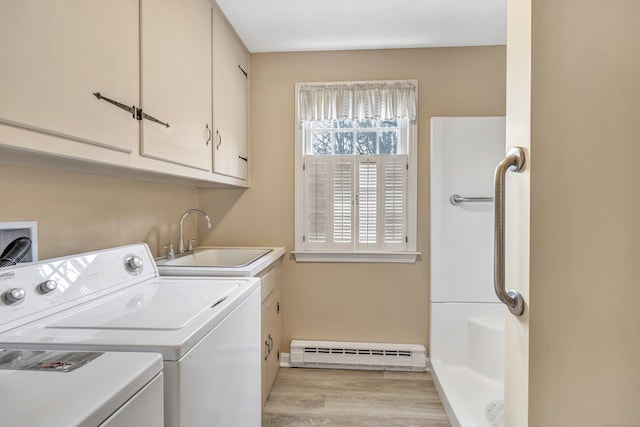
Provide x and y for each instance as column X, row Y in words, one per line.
column 467, row 319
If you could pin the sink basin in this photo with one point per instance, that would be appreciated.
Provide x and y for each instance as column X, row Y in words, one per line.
column 215, row 257
column 221, row 262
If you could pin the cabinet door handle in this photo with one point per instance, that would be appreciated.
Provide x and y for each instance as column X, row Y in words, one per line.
column 246, row 159
column 207, row 134
column 267, row 350
column 133, row 110
column 143, row 115
column 137, row 113
column 219, row 143
column 246, row 76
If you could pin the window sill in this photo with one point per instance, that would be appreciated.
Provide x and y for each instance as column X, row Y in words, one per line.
column 375, row 257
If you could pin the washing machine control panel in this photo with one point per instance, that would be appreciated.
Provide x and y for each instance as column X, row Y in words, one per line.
column 33, row 290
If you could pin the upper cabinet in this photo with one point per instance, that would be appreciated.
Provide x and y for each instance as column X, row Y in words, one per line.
column 123, row 87
column 176, row 81
column 55, row 56
column 230, row 100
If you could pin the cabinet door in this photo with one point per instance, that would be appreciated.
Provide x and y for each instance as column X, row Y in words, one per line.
column 230, row 100
column 176, row 80
column 273, row 361
column 265, row 352
column 55, row 55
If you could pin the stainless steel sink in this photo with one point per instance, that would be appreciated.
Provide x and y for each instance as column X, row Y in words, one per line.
column 215, row 257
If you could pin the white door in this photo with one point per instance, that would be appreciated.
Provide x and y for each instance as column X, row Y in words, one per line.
column 572, row 215
column 517, row 208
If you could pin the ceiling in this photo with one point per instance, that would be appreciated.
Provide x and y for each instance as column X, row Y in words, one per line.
column 305, row 25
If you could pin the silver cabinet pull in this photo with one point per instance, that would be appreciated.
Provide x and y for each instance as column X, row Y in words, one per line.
column 133, row 110
column 267, row 349
column 142, row 115
column 219, row 140
column 207, row 134
column 136, row 113
column 456, row 199
column 514, row 162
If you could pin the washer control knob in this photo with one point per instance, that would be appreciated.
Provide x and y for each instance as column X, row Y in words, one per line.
column 14, row 295
column 133, row 264
column 47, row 286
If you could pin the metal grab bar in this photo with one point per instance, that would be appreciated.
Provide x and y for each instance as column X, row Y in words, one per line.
column 514, row 162
column 456, row 199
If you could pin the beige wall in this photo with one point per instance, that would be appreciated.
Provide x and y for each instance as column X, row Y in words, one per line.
column 360, row 302
column 78, row 212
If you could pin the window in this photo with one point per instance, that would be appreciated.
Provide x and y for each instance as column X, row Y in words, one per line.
column 356, row 171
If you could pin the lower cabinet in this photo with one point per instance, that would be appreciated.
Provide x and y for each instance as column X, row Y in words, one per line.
column 271, row 326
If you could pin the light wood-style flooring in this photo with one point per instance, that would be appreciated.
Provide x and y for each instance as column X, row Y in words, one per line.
column 304, row 397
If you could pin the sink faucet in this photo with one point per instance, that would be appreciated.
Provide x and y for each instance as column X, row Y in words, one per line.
column 180, row 238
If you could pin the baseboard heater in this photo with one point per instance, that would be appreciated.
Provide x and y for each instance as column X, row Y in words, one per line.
column 357, row 355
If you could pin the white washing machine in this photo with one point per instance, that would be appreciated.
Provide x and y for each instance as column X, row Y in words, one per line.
column 87, row 389
column 206, row 329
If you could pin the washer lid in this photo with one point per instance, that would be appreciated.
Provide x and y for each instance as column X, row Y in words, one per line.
column 151, row 306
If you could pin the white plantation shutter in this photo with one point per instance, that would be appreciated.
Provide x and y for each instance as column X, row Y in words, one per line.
column 355, row 203
column 316, row 206
column 367, row 203
column 329, row 203
column 381, row 203
column 394, row 191
column 343, row 201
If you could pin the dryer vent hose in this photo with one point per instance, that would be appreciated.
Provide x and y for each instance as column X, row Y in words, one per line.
column 15, row 251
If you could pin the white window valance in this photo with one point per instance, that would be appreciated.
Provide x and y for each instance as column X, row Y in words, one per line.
column 384, row 100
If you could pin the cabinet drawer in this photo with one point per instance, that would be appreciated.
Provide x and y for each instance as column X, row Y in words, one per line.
column 268, row 284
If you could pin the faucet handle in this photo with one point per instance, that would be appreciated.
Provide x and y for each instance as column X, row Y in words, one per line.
column 190, row 244
column 170, row 253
